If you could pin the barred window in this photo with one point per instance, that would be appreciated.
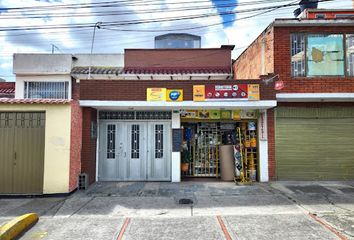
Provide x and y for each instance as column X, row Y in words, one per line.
column 297, row 55
column 51, row 90
column 350, row 54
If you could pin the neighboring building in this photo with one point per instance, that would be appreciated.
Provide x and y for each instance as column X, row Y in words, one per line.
column 178, row 40
column 42, row 126
column 327, row 14
column 313, row 131
column 7, row 89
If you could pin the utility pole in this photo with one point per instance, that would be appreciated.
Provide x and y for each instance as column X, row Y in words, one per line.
column 54, row 47
column 97, row 25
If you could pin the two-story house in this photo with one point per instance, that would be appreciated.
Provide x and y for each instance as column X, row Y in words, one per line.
column 312, row 61
column 165, row 98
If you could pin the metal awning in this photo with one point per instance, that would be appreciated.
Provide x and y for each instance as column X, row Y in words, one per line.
column 144, row 105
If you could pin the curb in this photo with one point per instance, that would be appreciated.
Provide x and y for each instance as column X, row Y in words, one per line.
column 17, row 226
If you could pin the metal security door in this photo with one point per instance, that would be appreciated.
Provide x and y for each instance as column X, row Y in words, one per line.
column 135, row 154
column 111, row 152
column 29, row 153
column 22, row 152
column 7, row 124
column 159, row 152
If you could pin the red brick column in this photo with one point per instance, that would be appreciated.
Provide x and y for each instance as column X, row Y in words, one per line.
column 88, row 153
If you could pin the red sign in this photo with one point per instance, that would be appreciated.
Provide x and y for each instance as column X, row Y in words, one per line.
column 279, row 85
column 226, row 92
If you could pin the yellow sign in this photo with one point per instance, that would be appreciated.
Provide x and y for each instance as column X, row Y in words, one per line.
column 253, row 92
column 236, row 114
column 155, row 94
column 199, row 93
column 174, row 95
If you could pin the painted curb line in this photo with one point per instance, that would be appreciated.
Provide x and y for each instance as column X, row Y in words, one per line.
column 17, row 226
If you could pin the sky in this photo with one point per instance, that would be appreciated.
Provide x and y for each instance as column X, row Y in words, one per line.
column 131, row 24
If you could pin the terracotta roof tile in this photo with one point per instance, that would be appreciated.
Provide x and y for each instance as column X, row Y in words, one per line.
column 97, row 70
column 169, row 71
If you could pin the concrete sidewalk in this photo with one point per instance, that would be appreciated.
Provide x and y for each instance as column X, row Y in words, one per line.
column 278, row 210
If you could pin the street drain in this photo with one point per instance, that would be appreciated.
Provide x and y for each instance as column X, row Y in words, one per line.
column 185, row 201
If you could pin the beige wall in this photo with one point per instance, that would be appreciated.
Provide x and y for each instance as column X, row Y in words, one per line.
column 57, row 143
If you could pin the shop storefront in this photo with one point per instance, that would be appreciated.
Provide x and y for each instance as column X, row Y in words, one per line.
column 213, row 138
column 202, row 125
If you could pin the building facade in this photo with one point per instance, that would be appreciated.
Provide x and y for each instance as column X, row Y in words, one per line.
column 143, row 113
column 312, row 64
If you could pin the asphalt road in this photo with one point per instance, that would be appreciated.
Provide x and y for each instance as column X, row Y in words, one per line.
column 280, row 210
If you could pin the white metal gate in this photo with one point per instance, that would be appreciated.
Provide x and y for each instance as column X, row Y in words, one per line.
column 135, row 151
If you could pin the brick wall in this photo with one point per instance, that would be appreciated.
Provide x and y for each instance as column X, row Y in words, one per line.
column 278, row 61
column 282, row 64
column 135, row 90
column 271, row 144
column 75, row 144
column 177, row 58
column 249, row 64
column 88, row 153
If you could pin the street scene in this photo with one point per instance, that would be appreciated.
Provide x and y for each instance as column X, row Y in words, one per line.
column 284, row 210
column 177, row 119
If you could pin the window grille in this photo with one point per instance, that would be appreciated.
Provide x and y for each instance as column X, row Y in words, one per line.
column 135, row 140
column 297, row 55
column 111, row 140
column 350, row 54
column 135, row 115
column 50, row 90
column 158, row 141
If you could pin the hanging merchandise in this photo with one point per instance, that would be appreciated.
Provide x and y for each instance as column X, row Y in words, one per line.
column 251, row 126
column 188, row 134
column 238, row 161
column 253, row 143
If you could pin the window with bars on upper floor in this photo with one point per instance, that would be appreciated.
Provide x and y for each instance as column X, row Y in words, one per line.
column 47, row 90
column 322, row 55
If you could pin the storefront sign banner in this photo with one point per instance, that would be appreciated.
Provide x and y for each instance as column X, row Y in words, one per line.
column 226, row 92
column 174, row 95
column 189, row 113
column 263, row 135
column 155, row 94
column 253, row 92
column 226, row 114
column 236, row 114
column 198, row 93
column 248, row 114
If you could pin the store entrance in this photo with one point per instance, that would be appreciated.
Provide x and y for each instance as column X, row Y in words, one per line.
column 225, row 150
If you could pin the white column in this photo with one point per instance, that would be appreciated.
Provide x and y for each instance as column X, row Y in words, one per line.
column 176, row 156
column 263, row 147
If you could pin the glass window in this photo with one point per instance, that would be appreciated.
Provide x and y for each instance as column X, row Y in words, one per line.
column 325, row 55
column 52, row 90
column 350, row 54
column 135, row 141
column 298, row 55
column 111, row 141
column 158, row 141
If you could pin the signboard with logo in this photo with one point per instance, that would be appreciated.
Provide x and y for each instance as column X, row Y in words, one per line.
column 174, row 95
column 155, row 94
column 198, row 93
column 253, row 92
column 226, row 92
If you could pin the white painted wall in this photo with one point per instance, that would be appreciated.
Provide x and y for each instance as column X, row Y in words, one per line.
column 98, row 60
column 176, row 156
column 20, row 82
column 263, row 148
column 41, row 63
